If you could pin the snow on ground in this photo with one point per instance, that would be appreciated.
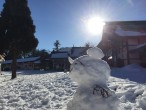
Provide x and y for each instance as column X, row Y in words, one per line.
column 42, row 90
column 132, row 72
column 131, row 94
column 47, row 91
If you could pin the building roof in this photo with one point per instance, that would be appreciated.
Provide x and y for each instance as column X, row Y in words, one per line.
column 37, row 62
column 78, row 51
column 60, row 55
column 141, row 22
column 70, row 51
column 23, row 60
column 139, row 47
column 65, row 49
column 121, row 32
column 126, row 28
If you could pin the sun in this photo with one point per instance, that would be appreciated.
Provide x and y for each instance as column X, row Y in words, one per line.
column 94, row 25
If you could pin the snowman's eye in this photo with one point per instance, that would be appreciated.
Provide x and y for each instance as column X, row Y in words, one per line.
column 76, row 63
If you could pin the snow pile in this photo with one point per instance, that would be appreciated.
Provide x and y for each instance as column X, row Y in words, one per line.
column 133, row 72
column 91, row 73
column 133, row 67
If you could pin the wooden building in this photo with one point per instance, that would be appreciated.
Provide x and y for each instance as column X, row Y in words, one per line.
column 24, row 63
column 123, row 42
column 60, row 59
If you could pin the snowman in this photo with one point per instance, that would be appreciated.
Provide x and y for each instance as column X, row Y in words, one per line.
column 91, row 73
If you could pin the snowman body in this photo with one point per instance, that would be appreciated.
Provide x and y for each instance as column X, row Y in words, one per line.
column 91, row 73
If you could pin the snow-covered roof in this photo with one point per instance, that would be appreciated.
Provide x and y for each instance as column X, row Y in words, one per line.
column 119, row 31
column 65, row 49
column 37, row 62
column 23, row 60
column 59, row 55
column 138, row 47
column 141, row 45
column 7, row 61
column 28, row 59
column 125, row 28
column 78, row 51
column 70, row 51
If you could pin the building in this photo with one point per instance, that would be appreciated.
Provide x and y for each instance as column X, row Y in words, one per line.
column 124, row 42
column 24, row 63
column 60, row 61
column 57, row 60
column 60, row 58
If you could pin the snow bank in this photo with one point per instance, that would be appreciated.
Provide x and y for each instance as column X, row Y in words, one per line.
column 133, row 67
column 133, row 72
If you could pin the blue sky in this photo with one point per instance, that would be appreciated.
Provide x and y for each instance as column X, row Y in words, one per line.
column 63, row 19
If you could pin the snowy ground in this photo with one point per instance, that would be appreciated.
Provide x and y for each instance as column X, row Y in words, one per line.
column 41, row 90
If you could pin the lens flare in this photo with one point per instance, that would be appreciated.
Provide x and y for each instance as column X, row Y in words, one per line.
column 95, row 25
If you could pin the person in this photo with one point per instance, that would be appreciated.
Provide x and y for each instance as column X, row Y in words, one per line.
column 2, row 59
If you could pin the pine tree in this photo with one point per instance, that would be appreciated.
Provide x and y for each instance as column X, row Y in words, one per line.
column 2, row 44
column 18, row 29
column 57, row 45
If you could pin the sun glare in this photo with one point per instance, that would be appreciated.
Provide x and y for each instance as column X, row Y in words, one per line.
column 94, row 25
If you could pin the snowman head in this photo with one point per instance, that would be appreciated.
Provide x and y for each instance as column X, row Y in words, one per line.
column 86, row 68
